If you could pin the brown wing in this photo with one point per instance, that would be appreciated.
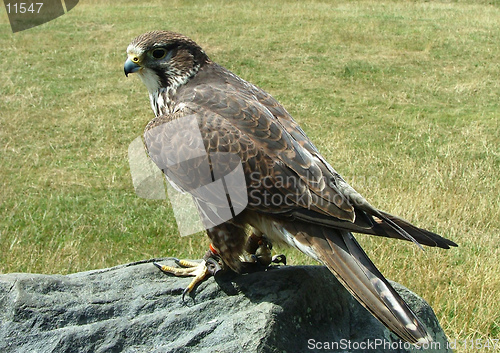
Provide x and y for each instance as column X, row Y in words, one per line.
column 238, row 117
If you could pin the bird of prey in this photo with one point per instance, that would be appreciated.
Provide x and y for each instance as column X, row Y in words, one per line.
column 313, row 208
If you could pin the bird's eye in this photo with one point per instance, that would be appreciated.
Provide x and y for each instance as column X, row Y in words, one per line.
column 159, row 53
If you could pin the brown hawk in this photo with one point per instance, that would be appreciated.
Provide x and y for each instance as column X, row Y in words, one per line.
column 294, row 196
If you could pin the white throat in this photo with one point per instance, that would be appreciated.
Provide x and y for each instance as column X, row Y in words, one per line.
column 150, row 79
column 161, row 97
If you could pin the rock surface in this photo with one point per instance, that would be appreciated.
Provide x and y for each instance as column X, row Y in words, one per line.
column 136, row 308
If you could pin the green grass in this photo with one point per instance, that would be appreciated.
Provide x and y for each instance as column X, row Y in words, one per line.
column 401, row 97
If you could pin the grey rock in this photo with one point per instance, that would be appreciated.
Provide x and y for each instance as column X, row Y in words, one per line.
column 136, row 308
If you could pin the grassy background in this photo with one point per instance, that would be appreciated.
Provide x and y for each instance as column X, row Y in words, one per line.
column 401, row 97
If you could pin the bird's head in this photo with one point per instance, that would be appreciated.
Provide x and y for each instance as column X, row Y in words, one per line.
column 164, row 59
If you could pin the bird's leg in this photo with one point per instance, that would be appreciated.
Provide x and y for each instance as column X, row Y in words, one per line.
column 257, row 252
column 209, row 266
column 256, row 256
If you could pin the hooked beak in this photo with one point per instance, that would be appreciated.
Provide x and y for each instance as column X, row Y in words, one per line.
column 130, row 67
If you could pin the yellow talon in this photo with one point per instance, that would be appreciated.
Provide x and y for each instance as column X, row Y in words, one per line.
column 186, row 263
column 199, row 270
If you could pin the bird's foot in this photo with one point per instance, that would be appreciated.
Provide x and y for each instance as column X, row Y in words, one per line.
column 209, row 266
column 257, row 255
column 279, row 259
column 259, row 259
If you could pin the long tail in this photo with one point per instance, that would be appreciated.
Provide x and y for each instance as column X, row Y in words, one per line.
column 375, row 222
column 340, row 252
